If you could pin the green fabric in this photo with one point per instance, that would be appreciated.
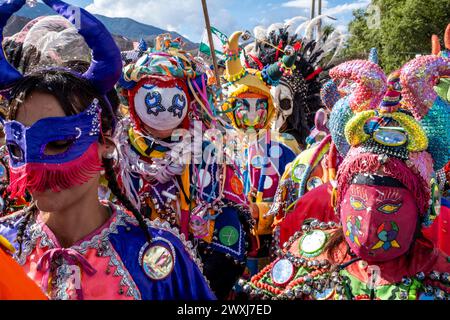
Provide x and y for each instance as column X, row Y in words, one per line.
column 386, row 292
column 443, row 89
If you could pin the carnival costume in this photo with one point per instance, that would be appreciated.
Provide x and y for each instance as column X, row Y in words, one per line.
column 316, row 166
column 296, row 97
column 192, row 188
column 264, row 156
column 118, row 260
column 387, row 192
column 443, row 89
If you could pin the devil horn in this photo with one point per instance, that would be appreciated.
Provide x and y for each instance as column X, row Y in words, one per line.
column 106, row 65
column 447, row 37
column 435, row 45
column 8, row 74
column 370, row 81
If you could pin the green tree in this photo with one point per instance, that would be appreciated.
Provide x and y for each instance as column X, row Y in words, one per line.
column 405, row 30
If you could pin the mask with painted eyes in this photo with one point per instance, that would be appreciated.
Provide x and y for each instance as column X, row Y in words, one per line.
column 161, row 107
column 379, row 218
column 251, row 112
column 283, row 100
column 54, row 153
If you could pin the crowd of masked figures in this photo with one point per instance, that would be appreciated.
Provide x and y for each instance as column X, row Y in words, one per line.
column 283, row 174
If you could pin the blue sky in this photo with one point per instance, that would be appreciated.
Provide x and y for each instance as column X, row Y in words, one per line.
column 185, row 16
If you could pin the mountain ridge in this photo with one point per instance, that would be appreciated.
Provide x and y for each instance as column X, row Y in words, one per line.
column 125, row 27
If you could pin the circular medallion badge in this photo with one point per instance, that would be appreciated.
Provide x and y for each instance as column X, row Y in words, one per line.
column 282, row 272
column 313, row 182
column 257, row 162
column 298, row 171
column 158, row 262
column 236, row 185
column 325, row 294
column 312, row 243
column 228, row 236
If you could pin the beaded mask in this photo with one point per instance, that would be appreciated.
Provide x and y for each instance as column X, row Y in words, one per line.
column 251, row 111
column 34, row 169
column 379, row 217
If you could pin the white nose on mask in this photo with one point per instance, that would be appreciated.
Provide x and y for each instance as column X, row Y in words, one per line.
column 161, row 108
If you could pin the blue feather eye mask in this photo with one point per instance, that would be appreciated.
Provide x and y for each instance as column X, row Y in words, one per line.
column 55, row 153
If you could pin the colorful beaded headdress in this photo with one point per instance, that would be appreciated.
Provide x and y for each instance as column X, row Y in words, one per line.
column 443, row 86
column 242, row 80
column 393, row 139
column 297, row 97
column 167, row 67
column 105, row 65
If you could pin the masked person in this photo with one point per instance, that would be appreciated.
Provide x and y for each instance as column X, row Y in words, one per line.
column 263, row 154
column 170, row 171
column 297, row 97
column 57, row 131
column 314, row 169
column 387, row 193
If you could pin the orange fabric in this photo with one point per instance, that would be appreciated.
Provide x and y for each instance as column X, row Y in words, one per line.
column 14, row 283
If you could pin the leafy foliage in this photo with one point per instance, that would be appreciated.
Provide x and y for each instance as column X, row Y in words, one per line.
column 405, row 30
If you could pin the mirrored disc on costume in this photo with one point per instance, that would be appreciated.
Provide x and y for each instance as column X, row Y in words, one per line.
column 268, row 183
column 313, row 182
column 257, row 162
column 313, row 242
column 298, row 171
column 282, row 272
column 390, row 137
column 275, row 152
column 324, row 294
column 436, row 200
column 205, row 178
column 158, row 262
column 228, row 236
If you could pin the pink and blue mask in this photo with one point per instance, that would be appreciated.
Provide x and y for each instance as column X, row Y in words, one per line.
column 34, row 168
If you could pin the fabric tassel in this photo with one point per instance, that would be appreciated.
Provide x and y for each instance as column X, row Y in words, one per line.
column 39, row 177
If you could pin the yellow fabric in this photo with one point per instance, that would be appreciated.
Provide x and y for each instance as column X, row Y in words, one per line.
column 290, row 141
column 139, row 144
column 264, row 224
column 4, row 243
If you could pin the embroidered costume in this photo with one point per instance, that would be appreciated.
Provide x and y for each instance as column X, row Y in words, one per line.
column 182, row 179
column 265, row 154
column 113, row 262
column 129, row 264
column 386, row 188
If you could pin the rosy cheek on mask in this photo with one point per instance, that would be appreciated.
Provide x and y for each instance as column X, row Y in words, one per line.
column 379, row 222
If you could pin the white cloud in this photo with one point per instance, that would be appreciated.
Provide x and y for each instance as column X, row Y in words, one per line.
column 305, row 4
column 182, row 16
column 340, row 9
